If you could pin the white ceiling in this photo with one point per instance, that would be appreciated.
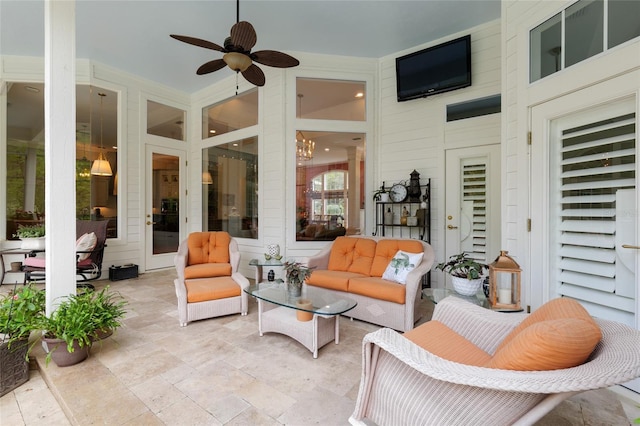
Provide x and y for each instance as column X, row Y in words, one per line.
column 134, row 35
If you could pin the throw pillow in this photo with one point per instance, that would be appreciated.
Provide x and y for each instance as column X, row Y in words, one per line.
column 401, row 264
column 86, row 242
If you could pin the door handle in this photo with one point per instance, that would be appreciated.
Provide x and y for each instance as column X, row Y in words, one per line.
column 451, row 227
column 630, row 246
column 150, row 223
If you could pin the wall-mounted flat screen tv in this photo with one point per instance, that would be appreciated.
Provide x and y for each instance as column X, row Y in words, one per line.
column 433, row 70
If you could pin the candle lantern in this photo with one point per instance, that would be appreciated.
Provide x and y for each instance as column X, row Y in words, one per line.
column 504, row 282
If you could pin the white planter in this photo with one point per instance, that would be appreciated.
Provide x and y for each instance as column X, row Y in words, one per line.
column 384, row 197
column 32, row 243
column 466, row 287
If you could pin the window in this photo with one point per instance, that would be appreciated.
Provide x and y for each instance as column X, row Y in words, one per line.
column 330, row 99
column 96, row 139
column 586, row 33
column 230, row 188
column 165, row 121
column 235, row 113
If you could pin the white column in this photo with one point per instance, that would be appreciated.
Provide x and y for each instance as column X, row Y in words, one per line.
column 59, row 152
column 353, row 159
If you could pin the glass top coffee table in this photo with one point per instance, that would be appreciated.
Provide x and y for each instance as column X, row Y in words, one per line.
column 277, row 313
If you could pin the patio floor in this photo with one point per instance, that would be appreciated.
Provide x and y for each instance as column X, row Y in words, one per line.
column 220, row 371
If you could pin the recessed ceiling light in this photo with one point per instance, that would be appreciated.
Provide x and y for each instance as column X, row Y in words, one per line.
column 32, row 89
column 235, row 144
column 212, row 131
column 359, row 95
column 327, row 149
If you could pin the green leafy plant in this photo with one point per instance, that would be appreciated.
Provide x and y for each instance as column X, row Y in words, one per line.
column 462, row 266
column 296, row 272
column 20, row 312
column 30, row 231
column 80, row 317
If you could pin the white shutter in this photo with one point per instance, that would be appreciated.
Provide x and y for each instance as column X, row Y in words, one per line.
column 474, row 207
column 593, row 171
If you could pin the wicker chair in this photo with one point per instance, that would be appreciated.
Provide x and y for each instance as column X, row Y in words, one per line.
column 209, row 284
column 404, row 384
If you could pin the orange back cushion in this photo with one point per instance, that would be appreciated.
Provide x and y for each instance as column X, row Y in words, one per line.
column 349, row 254
column 559, row 308
column 208, row 247
column 386, row 249
column 442, row 341
column 548, row 345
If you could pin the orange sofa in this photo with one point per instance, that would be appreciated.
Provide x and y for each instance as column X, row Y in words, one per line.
column 353, row 266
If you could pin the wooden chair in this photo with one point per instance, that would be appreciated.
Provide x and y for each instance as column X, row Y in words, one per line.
column 88, row 260
column 208, row 283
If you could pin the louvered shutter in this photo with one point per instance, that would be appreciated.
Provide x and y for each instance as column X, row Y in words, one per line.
column 474, row 208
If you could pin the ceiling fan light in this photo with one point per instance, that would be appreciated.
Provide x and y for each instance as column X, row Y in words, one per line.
column 101, row 166
column 238, row 62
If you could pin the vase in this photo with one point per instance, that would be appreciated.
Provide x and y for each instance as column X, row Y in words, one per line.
column 294, row 288
column 57, row 348
column 14, row 368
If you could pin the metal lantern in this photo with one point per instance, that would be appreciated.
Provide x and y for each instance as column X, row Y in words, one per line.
column 504, row 282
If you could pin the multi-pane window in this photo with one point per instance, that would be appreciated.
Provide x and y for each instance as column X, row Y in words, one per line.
column 235, row 113
column 584, row 29
column 96, row 156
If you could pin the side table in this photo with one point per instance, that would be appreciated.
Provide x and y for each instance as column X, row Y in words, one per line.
column 437, row 294
column 260, row 263
column 12, row 252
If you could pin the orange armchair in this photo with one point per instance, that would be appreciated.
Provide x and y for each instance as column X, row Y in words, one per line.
column 209, row 284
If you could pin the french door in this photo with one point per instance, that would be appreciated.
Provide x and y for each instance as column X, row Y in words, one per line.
column 472, row 202
column 164, row 213
column 584, row 201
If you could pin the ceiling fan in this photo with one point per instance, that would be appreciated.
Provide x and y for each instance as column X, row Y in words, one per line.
column 238, row 55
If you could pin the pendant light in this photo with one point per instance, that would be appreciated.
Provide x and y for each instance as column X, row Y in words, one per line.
column 101, row 166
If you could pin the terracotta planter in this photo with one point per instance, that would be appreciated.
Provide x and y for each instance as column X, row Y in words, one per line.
column 59, row 353
column 102, row 334
column 303, row 315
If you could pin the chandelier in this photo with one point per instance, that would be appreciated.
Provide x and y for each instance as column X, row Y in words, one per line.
column 304, row 147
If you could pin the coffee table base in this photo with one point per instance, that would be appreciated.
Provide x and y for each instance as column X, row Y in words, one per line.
column 312, row 334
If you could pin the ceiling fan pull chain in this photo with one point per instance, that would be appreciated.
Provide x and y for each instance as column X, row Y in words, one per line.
column 237, row 86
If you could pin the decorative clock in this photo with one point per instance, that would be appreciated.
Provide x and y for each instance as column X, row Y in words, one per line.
column 398, row 193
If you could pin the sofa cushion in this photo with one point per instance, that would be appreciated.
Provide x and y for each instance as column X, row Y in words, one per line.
column 378, row 288
column 352, row 255
column 204, row 289
column 207, row 270
column 548, row 345
column 440, row 340
column 559, row 308
column 208, row 247
column 334, row 280
column 400, row 266
column 386, row 249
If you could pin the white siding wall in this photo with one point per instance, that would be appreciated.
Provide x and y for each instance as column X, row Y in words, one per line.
column 414, row 134
column 518, row 18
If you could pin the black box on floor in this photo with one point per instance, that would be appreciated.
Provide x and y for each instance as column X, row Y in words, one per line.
column 123, row 272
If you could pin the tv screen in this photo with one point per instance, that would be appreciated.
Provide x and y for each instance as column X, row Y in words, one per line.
column 436, row 69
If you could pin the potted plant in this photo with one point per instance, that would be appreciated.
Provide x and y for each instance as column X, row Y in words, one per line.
column 32, row 236
column 295, row 273
column 466, row 273
column 108, row 311
column 77, row 322
column 20, row 313
column 381, row 194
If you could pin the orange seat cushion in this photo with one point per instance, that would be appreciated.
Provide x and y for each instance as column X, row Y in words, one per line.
column 559, row 308
column 204, row 289
column 208, row 247
column 378, row 288
column 334, row 280
column 548, row 345
column 386, row 249
column 440, row 340
column 207, row 270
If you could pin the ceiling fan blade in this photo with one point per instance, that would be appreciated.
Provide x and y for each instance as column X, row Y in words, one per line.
column 243, row 35
column 198, row 42
column 211, row 66
column 274, row 58
column 254, row 75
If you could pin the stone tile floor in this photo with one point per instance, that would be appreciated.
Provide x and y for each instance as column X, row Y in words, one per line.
column 220, row 371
